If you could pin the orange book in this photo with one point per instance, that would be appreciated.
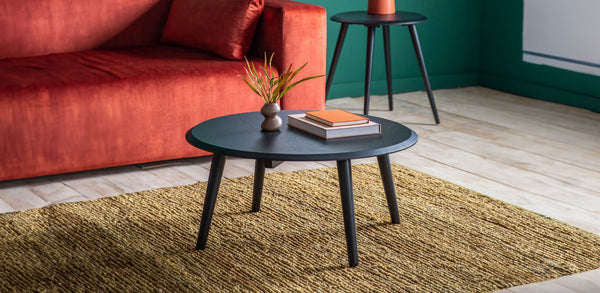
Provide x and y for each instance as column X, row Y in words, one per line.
column 325, row 131
column 336, row 117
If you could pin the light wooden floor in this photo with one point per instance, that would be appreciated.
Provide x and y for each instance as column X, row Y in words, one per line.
column 541, row 156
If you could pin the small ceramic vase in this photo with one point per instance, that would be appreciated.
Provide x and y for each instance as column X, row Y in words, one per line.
column 272, row 120
column 381, row 7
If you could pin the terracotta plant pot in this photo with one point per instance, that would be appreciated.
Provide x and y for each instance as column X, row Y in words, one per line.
column 382, row 7
column 272, row 121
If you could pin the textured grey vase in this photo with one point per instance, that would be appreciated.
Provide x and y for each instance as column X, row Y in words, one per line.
column 272, row 121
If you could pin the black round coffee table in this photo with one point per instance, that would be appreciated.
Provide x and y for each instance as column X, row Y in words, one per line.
column 239, row 135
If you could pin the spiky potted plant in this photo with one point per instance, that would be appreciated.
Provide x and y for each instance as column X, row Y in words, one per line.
column 271, row 88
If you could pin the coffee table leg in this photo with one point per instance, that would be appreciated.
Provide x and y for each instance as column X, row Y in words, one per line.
column 212, row 188
column 345, row 179
column 388, row 185
column 259, row 178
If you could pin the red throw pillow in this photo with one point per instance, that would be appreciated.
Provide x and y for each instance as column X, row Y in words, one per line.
column 223, row 27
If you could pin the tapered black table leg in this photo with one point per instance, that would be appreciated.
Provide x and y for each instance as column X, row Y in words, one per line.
column 415, row 39
column 388, row 65
column 336, row 57
column 259, row 178
column 388, row 185
column 345, row 178
column 212, row 188
column 369, row 69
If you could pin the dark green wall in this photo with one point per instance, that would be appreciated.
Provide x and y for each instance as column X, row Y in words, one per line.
column 465, row 43
column 502, row 66
column 449, row 40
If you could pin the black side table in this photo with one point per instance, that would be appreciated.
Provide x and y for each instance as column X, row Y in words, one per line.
column 239, row 135
column 372, row 21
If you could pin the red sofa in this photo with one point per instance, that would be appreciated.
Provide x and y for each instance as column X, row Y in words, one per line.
column 90, row 84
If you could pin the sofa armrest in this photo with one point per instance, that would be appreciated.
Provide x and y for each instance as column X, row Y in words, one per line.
column 297, row 33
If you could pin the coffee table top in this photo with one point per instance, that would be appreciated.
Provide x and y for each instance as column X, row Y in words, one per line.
column 239, row 135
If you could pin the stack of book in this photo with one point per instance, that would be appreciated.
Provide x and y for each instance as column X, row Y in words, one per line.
column 334, row 123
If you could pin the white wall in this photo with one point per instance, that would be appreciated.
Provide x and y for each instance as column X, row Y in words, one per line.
column 563, row 33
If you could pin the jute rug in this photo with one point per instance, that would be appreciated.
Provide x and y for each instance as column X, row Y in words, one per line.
column 451, row 239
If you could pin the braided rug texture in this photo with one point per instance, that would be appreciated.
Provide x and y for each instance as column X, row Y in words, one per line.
column 451, row 239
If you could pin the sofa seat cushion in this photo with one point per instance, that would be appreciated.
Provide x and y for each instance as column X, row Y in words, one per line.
column 115, row 107
column 223, row 27
column 107, row 66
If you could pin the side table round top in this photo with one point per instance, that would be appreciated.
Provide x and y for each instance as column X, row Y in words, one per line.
column 362, row 17
column 239, row 135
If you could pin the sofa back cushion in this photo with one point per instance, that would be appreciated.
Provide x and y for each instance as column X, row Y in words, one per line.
column 41, row 27
column 223, row 27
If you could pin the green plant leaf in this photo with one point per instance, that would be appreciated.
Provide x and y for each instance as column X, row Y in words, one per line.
column 298, row 82
column 266, row 84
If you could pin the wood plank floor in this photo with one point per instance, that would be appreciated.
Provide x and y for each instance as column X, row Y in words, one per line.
column 538, row 155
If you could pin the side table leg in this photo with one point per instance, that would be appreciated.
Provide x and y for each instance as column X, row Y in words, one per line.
column 388, row 185
column 259, row 178
column 388, row 65
column 368, row 70
column 415, row 39
column 345, row 179
column 212, row 188
column 336, row 57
